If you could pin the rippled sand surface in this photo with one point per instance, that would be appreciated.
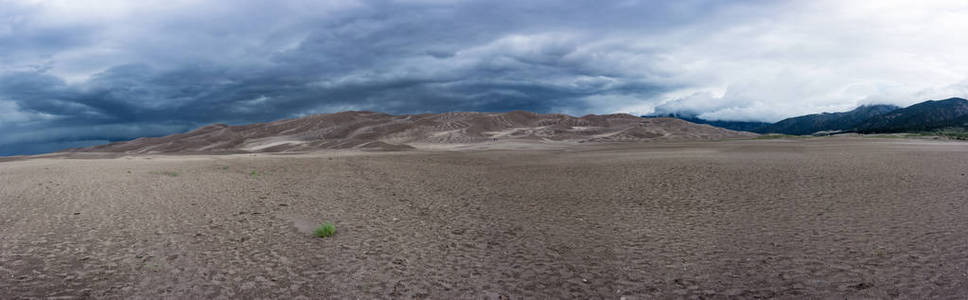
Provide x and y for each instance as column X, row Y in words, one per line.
column 811, row 218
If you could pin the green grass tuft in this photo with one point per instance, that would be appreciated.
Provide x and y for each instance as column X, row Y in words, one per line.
column 951, row 133
column 888, row 136
column 325, row 230
column 254, row 173
column 772, row 136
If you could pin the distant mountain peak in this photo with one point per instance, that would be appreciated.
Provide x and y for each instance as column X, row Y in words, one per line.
column 828, row 121
column 927, row 115
column 749, row 126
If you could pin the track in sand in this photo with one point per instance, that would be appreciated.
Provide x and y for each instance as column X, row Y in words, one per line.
column 811, row 218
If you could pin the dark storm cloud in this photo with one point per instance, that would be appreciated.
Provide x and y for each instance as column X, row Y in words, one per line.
column 389, row 56
column 75, row 73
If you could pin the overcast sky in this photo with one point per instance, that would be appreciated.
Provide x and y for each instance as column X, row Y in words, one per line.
column 75, row 73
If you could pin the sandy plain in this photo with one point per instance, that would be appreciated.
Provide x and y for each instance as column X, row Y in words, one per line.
column 808, row 218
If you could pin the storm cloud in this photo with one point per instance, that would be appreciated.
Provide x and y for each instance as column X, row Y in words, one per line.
column 78, row 73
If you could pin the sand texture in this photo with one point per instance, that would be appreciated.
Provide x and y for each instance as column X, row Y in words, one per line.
column 808, row 218
column 379, row 131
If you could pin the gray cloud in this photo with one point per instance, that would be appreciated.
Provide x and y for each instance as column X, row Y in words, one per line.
column 76, row 73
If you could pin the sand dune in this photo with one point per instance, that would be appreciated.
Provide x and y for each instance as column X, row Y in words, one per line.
column 370, row 130
column 822, row 218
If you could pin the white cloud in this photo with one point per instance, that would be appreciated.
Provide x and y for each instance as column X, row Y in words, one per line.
column 823, row 55
column 10, row 113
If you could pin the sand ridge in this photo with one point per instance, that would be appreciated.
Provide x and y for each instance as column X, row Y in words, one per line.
column 379, row 131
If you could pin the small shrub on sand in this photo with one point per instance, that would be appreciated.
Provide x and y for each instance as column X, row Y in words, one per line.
column 325, row 230
column 254, row 173
column 773, row 136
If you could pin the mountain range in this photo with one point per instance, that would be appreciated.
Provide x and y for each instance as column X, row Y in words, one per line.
column 750, row 126
column 838, row 121
column 928, row 115
column 877, row 118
